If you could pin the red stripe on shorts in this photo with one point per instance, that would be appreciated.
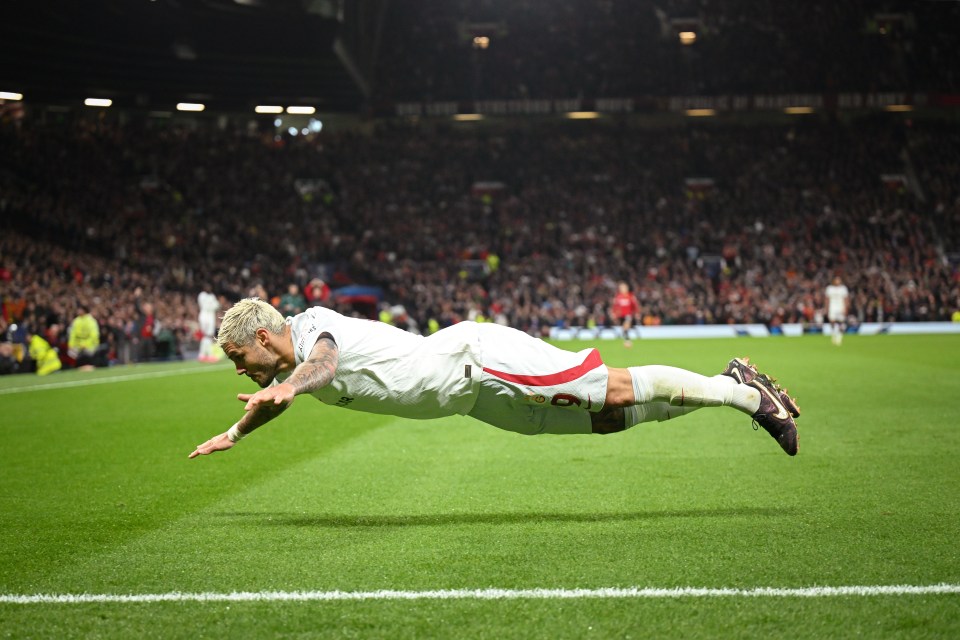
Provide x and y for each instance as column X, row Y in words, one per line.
column 592, row 362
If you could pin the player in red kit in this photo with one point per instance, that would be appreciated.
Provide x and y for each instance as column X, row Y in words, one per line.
column 624, row 310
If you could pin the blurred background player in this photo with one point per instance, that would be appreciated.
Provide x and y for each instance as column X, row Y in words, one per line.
column 838, row 297
column 624, row 310
column 209, row 305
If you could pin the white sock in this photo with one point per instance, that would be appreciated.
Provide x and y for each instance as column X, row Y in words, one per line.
column 682, row 388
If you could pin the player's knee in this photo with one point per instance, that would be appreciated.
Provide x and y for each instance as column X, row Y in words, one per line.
column 619, row 389
column 608, row 421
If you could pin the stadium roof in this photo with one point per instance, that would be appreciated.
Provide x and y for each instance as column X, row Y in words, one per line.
column 229, row 54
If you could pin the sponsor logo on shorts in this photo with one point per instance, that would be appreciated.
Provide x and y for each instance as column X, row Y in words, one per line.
column 559, row 400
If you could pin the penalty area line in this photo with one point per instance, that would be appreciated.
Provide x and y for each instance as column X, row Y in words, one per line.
column 486, row 594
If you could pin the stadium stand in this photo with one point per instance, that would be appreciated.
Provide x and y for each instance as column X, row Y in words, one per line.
column 710, row 224
column 525, row 221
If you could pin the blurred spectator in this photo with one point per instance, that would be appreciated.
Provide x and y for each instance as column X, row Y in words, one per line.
column 83, row 340
column 292, row 302
column 8, row 362
column 145, row 329
column 44, row 357
column 317, row 293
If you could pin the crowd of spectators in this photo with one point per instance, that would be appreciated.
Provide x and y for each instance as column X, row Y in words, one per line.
column 623, row 48
column 530, row 225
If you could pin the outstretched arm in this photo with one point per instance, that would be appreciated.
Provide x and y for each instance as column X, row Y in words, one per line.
column 316, row 372
column 263, row 406
column 250, row 421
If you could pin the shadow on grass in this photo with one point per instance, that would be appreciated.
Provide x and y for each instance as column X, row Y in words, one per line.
column 443, row 519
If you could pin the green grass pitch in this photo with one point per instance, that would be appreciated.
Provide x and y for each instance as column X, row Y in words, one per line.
column 97, row 497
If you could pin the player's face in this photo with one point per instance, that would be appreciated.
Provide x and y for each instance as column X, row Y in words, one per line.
column 254, row 361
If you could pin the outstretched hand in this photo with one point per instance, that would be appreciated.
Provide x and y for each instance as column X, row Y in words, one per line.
column 279, row 396
column 216, row 443
column 264, row 405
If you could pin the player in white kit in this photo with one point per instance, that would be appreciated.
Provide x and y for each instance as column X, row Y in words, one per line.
column 837, row 300
column 496, row 374
column 209, row 305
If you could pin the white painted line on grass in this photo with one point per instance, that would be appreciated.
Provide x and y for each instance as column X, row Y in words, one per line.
column 108, row 379
column 484, row 594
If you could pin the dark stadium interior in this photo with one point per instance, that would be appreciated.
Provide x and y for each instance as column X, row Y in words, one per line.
column 525, row 219
column 346, row 54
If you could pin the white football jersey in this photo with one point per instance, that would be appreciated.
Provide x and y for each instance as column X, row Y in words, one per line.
column 837, row 295
column 208, row 302
column 383, row 369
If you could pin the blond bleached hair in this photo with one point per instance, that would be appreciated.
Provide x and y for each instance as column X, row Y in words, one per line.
column 241, row 321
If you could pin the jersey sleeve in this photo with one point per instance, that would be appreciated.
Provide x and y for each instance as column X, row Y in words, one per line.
column 307, row 327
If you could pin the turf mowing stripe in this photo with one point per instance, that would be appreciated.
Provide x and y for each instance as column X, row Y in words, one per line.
column 93, row 381
column 484, row 594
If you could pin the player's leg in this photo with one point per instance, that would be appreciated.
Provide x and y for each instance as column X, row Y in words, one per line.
column 207, row 327
column 658, row 388
column 616, row 419
column 625, row 325
column 743, row 372
column 506, row 407
column 836, row 327
column 530, row 386
column 677, row 387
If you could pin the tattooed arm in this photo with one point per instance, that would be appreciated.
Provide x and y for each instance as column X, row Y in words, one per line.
column 314, row 373
column 318, row 370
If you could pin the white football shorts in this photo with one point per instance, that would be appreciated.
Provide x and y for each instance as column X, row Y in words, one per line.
column 530, row 386
column 208, row 323
column 836, row 315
